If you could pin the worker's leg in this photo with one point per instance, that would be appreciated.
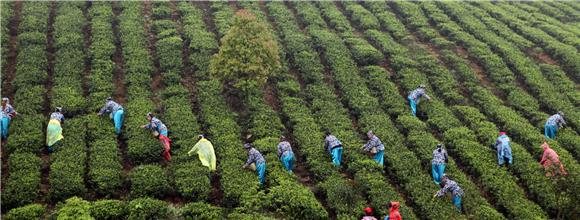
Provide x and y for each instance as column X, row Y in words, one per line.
column 5, row 127
column 457, row 202
column 340, row 150
column 441, row 170
column 291, row 162
column 261, row 169
column 549, row 131
column 379, row 157
column 500, row 160
column 336, row 156
column 118, row 120
column 435, row 173
column 413, row 106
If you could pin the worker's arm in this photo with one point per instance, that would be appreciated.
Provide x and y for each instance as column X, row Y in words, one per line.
column 427, row 96
column 103, row 110
column 279, row 150
column 251, row 159
column 193, row 149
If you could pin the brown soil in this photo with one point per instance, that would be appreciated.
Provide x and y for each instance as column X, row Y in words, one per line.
column 45, row 168
column 87, row 33
column 156, row 76
column 120, row 93
column 9, row 70
column 208, row 16
column 541, row 57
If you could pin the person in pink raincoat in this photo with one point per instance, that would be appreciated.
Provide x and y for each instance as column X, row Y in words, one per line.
column 551, row 161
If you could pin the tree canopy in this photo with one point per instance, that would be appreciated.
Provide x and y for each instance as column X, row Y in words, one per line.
column 248, row 54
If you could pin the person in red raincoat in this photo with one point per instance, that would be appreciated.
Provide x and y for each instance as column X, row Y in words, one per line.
column 394, row 211
column 551, row 161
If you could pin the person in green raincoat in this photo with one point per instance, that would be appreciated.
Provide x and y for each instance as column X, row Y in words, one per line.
column 54, row 130
column 205, row 151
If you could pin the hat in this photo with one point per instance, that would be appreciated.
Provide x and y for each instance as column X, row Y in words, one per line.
column 149, row 114
column 422, row 86
column 561, row 113
column 109, row 98
column 58, row 109
column 282, row 137
column 201, row 136
column 5, row 99
column 502, row 133
column 439, row 145
column 370, row 132
column 247, row 146
column 368, row 211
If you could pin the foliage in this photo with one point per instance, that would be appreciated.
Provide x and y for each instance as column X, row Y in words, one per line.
column 109, row 209
column 248, row 56
column 32, row 211
column 148, row 208
column 200, row 210
column 75, row 208
column 148, row 180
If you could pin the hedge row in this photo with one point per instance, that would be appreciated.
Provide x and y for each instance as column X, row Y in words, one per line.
column 523, row 11
column 520, row 63
column 26, row 132
column 105, row 169
column 67, row 88
column 336, row 120
column 190, row 178
column 566, row 55
column 22, row 186
column 7, row 10
column 566, row 86
column 67, row 168
column 142, row 208
column 142, row 148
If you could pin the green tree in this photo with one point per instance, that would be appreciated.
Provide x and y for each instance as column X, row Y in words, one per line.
column 248, row 54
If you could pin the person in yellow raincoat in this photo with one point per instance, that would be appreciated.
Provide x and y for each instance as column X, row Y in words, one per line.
column 54, row 130
column 205, row 151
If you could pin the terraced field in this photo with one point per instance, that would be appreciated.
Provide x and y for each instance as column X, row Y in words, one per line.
column 347, row 67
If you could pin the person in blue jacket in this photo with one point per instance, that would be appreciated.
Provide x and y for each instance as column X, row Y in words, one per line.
column 286, row 154
column 334, row 147
column 116, row 113
column 254, row 156
column 553, row 123
column 438, row 162
column 6, row 116
column 504, row 150
column 415, row 96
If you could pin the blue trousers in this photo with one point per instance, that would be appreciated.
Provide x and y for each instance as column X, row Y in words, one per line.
column 413, row 105
column 457, row 202
column 118, row 117
column 261, row 169
column 337, row 156
column 288, row 162
column 550, row 131
column 163, row 132
column 5, row 124
column 437, row 170
column 379, row 157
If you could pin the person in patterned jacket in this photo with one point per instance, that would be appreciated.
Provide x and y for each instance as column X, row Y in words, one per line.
column 553, row 123
column 160, row 130
column 440, row 158
column 6, row 116
column 286, row 154
column 116, row 113
column 254, row 156
column 334, row 147
column 450, row 186
column 415, row 96
column 379, row 148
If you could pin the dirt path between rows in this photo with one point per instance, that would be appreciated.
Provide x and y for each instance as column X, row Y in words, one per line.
column 51, row 55
column 9, row 69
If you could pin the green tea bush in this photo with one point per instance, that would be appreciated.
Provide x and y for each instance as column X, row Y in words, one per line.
column 202, row 211
column 148, row 180
column 109, row 209
column 148, row 208
column 32, row 211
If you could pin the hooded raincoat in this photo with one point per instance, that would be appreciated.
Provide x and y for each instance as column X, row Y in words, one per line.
column 205, row 151
column 551, row 161
column 394, row 212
